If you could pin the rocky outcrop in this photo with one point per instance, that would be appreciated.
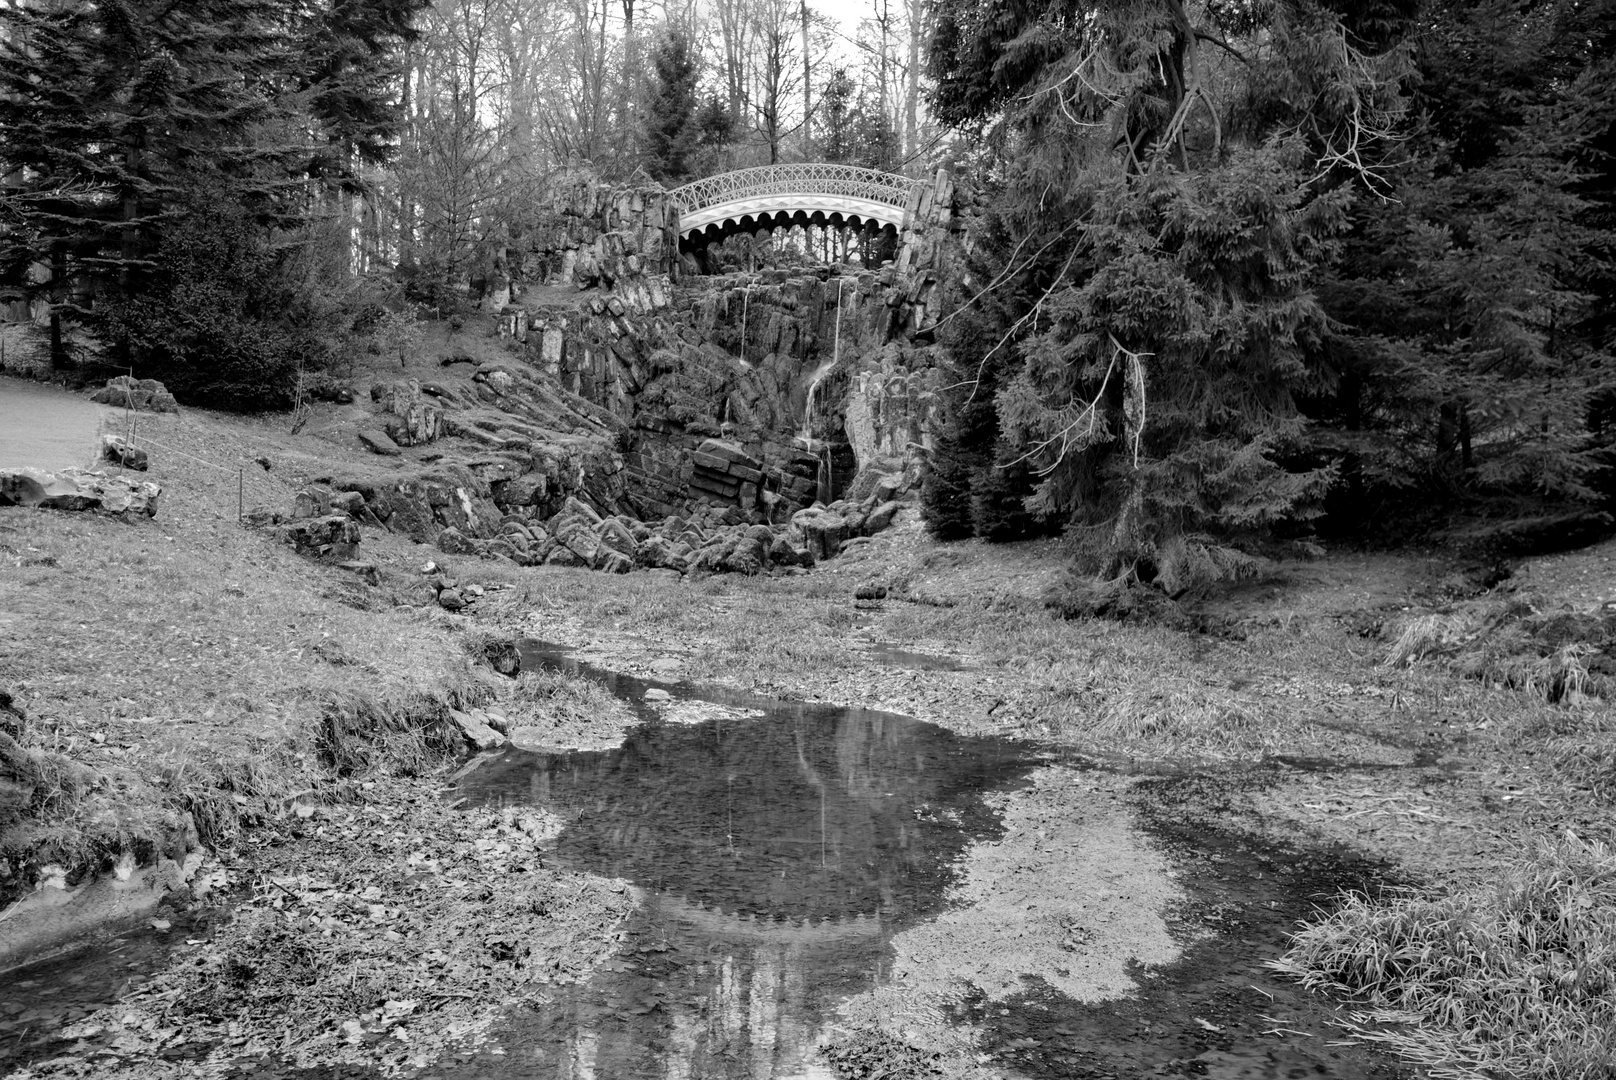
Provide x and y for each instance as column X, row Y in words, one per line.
column 712, row 540
column 333, row 536
column 590, row 233
column 78, row 489
column 411, row 418
column 126, row 392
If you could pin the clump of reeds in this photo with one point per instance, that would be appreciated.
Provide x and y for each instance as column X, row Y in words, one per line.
column 1496, row 643
column 1517, row 980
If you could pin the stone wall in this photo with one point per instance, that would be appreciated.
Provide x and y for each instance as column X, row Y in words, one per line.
column 587, row 233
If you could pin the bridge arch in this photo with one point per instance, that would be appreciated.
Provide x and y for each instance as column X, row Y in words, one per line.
column 780, row 196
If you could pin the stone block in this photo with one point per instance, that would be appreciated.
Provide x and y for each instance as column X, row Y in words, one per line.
column 121, row 452
column 379, row 442
column 478, row 733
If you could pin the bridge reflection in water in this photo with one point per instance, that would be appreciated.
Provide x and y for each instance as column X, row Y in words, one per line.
column 779, row 854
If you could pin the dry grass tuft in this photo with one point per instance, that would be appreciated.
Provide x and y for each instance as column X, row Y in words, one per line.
column 1502, row 643
column 1518, row 980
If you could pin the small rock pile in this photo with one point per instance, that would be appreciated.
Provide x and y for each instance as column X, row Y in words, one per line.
column 483, row 729
column 126, row 392
column 78, row 489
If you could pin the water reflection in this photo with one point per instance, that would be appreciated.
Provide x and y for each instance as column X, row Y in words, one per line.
column 780, row 855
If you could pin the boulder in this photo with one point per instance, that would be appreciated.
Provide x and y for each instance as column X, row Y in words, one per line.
column 451, row 600
column 121, row 452
column 616, row 535
column 528, row 490
column 881, row 517
column 782, row 552
column 78, row 489
column 748, row 556
column 582, row 542
column 368, row 572
column 351, row 503
column 333, row 536
column 503, row 549
column 378, row 442
column 562, row 555
column 478, row 733
column 823, row 530
column 654, row 552
column 313, row 501
column 614, row 562
column 452, row 541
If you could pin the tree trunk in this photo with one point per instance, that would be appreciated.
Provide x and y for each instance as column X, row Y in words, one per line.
column 807, row 87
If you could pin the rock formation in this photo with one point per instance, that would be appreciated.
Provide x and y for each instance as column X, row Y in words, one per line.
column 78, row 489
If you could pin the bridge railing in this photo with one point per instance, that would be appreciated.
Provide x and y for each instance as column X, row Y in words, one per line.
column 799, row 179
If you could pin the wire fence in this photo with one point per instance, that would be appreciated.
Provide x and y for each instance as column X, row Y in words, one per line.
column 238, row 484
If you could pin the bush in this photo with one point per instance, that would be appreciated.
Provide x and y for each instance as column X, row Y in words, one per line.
column 233, row 312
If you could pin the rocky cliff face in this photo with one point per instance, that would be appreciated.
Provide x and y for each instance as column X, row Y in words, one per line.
column 709, row 402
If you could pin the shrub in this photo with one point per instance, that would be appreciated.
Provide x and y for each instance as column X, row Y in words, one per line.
column 1514, row 980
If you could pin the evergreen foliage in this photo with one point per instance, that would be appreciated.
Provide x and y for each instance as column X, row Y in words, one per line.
column 1471, row 311
column 228, row 315
column 114, row 112
column 675, row 120
column 1165, row 207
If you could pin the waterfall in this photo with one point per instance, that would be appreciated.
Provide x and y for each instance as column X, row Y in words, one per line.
column 807, row 434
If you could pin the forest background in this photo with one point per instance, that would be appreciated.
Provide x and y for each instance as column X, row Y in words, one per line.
column 1253, row 274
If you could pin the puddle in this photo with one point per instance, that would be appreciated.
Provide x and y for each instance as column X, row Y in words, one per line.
column 782, row 857
column 778, row 856
column 38, row 1000
column 1216, row 1012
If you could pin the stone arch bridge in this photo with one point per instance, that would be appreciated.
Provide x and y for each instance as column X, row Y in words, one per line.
column 780, row 196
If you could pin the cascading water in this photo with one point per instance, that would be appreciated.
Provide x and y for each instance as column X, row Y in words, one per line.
column 807, row 433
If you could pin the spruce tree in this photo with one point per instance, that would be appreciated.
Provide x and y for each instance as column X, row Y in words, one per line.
column 672, row 121
column 114, row 112
column 104, row 106
column 1470, row 313
column 1173, row 177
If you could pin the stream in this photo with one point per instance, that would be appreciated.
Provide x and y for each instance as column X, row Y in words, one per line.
column 781, row 851
column 789, row 856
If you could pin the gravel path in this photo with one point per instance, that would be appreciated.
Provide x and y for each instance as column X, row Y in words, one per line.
column 45, row 427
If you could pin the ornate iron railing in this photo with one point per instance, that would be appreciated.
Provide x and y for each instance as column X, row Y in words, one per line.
column 805, row 179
